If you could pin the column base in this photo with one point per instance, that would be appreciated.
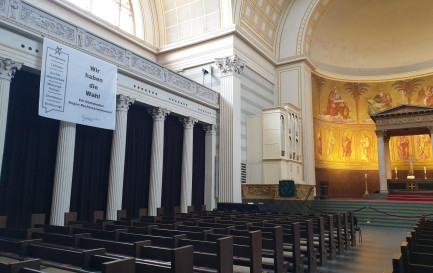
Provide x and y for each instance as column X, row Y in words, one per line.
column 384, row 191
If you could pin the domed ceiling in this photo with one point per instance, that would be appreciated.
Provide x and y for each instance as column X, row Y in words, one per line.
column 371, row 37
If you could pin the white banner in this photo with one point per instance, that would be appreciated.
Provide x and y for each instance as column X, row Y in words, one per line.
column 76, row 87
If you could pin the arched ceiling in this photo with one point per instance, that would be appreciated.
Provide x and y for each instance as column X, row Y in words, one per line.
column 371, row 38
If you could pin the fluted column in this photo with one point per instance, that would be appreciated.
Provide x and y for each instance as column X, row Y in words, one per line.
column 117, row 163
column 229, row 189
column 155, row 183
column 63, row 173
column 7, row 72
column 186, row 184
column 387, row 156
column 382, row 161
column 209, row 175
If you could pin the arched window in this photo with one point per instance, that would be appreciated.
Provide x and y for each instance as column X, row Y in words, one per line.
column 116, row 12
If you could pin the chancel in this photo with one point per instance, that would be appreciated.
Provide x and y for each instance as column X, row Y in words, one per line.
column 215, row 135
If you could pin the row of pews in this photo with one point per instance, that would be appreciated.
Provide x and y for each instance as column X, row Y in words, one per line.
column 206, row 241
column 417, row 251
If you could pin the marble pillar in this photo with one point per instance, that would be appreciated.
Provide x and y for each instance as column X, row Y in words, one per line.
column 382, row 161
column 63, row 173
column 209, row 176
column 156, row 161
column 186, row 180
column 117, row 163
column 229, row 185
column 7, row 72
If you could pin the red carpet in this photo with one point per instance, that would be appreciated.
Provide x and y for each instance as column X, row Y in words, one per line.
column 410, row 197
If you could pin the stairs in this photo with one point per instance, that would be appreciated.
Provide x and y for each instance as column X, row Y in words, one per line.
column 376, row 218
column 410, row 197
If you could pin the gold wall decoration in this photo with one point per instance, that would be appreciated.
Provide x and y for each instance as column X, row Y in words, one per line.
column 270, row 191
column 344, row 131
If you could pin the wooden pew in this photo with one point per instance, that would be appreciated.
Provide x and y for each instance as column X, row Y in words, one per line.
column 123, row 248
column 8, row 265
column 212, row 256
column 173, row 260
column 246, row 251
column 167, row 242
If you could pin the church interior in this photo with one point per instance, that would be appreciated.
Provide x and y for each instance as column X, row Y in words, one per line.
column 227, row 136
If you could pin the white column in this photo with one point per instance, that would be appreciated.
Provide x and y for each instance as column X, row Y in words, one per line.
column 63, row 173
column 156, row 161
column 387, row 157
column 7, row 71
column 431, row 137
column 229, row 185
column 209, row 175
column 117, row 163
column 186, row 186
column 382, row 161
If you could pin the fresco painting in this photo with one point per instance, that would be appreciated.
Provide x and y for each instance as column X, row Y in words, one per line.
column 344, row 131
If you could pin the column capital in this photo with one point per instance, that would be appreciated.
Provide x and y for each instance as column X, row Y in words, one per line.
column 8, row 68
column 381, row 133
column 159, row 114
column 210, row 129
column 231, row 65
column 123, row 102
column 188, row 122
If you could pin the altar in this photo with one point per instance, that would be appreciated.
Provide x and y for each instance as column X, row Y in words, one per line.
column 410, row 185
column 402, row 120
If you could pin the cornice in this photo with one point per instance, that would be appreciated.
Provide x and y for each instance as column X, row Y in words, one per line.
column 38, row 24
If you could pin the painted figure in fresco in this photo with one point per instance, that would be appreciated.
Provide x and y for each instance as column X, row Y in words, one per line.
column 403, row 147
column 365, row 147
column 336, row 106
column 347, row 146
column 330, row 145
column 319, row 143
column 379, row 103
column 422, row 142
column 426, row 96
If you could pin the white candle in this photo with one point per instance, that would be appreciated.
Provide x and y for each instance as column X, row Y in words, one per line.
column 396, row 170
column 365, row 176
column 425, row 170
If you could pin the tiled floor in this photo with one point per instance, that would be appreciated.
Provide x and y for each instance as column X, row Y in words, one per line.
column 373, row 255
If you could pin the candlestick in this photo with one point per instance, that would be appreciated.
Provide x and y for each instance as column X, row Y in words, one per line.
column 396, row 177
column 425, row 173
column 366, row 186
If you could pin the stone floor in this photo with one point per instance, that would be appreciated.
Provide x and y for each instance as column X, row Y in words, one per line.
column 373, row 255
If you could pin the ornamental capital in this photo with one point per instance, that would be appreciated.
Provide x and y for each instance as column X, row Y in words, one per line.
column 188, row 122
column 159, row 114
column 8, row 68
column 211, row 129
column 123, row 102
column 232, row 65
column 381, row 133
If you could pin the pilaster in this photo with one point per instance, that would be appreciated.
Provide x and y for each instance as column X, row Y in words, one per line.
column 230, row 130
column 117, row 163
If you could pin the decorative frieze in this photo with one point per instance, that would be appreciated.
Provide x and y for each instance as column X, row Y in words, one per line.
column 43, row 22
column 4, row 4
column 38, row 21
column 270, row 191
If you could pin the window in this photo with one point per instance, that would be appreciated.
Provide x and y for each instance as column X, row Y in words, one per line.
column 116, row 12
